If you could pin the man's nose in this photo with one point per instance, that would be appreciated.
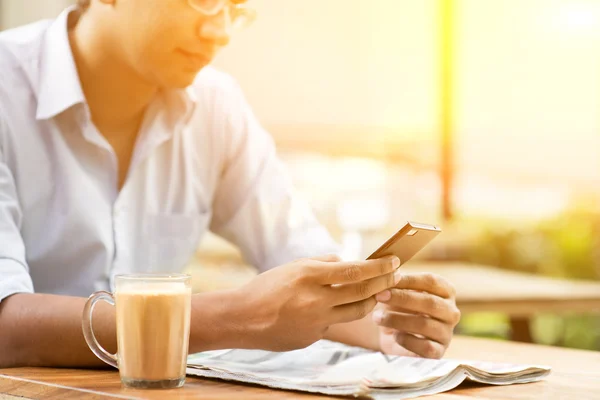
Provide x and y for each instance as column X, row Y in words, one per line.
column 216, row 28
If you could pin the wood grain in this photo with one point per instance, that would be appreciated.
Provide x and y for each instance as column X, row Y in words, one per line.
column 9, row 397
column 576, row 375
column 48, row 383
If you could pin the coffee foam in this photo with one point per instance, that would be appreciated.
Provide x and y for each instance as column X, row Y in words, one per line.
column 149, row 288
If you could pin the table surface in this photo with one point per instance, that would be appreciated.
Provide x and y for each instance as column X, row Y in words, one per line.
column 576, row 375
column 484, row 288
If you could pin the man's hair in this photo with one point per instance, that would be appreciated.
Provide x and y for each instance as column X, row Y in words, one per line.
column 83, row 4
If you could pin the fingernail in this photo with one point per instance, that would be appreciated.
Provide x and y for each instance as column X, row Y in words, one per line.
column 378, row 316
column 397, row 277
column 395, row 262
column 384, row 296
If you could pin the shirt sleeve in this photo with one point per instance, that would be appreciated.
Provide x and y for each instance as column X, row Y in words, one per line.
column 255, row 205
column 14, row 273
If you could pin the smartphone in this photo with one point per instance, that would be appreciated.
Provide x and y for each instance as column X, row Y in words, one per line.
column 407, row 242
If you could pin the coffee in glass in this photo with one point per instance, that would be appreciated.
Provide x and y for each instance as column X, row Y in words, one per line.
column 153, row 327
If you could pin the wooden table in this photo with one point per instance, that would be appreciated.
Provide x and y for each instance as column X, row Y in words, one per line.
column 576, row 375
column 519, row 295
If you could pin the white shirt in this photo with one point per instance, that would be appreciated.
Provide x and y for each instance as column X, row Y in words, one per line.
column 201, row 161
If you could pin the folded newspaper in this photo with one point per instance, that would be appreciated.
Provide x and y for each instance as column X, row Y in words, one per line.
column 336, row 369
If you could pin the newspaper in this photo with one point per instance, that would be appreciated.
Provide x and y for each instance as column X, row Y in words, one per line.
column 335, row 369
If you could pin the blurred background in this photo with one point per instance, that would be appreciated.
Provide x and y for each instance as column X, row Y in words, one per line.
column 480, row 116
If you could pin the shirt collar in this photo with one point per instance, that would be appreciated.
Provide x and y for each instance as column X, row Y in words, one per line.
column 188, row 100
column 58, row 86
column 176, row 107
column 191, row 100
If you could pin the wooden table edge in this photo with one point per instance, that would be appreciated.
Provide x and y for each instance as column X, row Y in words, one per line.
column 527, row 308
column 61, row 389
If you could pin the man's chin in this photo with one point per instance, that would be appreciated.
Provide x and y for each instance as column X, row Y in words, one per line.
column 182, row 79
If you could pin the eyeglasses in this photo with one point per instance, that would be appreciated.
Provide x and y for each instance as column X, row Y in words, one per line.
column 240, row 16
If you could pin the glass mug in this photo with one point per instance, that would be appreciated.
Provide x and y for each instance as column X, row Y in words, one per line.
column 153, row 329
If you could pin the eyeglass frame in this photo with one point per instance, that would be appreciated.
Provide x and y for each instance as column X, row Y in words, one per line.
column 248, row 13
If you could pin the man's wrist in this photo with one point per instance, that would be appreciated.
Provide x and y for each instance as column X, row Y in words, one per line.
column 215, row 321
column 211, row 326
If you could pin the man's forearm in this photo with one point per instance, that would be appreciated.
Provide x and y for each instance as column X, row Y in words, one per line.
column 362, row 333
column 45, row 330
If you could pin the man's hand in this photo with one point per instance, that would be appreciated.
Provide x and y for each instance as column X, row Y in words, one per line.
column 417, row 317
column 292, row 306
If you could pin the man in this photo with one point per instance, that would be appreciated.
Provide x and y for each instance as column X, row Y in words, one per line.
column 119, row 147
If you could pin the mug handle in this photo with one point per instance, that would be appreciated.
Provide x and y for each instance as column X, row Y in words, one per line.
column 88, row 333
